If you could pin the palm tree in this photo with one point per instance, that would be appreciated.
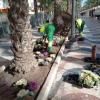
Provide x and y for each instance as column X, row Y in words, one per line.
column 21, row 37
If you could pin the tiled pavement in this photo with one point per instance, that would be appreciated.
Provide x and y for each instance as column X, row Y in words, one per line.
column 72, row 62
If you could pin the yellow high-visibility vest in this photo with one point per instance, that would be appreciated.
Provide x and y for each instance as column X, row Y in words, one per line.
column 42, row 29
column 79, row 22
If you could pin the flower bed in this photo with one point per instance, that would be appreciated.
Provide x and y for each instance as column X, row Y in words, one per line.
column 41, row 54
column 22, row 88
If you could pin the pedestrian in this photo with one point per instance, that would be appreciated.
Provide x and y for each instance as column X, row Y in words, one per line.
column 80, row 26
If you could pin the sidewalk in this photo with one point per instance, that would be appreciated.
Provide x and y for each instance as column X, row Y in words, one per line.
column 72, row 62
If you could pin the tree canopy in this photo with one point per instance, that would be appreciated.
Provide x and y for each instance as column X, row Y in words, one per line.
column 90, row 3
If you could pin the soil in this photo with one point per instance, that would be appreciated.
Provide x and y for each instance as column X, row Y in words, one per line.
column 94, row 68
column 81, row 39
column 38, row 75
column 72, row 78
column 90, row 60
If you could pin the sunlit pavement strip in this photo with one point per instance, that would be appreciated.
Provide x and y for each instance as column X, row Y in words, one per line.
column 72, row 62
column 5, row 51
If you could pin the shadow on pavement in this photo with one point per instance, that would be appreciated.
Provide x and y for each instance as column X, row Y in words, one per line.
column 71, row 76
column 54, row 90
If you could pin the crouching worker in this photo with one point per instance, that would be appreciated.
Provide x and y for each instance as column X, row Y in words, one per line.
column 50, row 29
column 80, row 26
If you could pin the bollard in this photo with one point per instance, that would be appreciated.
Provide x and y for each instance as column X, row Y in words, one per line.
column 94, row 52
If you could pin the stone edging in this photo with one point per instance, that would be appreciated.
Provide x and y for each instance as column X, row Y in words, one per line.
column 43, row 95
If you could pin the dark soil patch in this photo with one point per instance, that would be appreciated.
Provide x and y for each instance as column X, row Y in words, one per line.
column 94, row 68
column 72, row 78
column 81, row 39
column 90, row 60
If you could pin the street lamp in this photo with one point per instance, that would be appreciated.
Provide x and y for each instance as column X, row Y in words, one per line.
column 73, row 17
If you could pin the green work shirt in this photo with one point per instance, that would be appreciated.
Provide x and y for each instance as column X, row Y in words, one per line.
column 50, row 29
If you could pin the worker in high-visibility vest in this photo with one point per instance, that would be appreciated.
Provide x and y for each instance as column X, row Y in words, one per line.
column 80, row 26
column 50, row 29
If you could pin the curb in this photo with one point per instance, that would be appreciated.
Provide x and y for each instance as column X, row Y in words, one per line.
column 43, row 95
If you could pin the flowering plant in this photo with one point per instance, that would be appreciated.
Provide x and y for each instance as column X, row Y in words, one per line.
column 32, row 86
column 23, row 88
column 21, row 82
column 88, row 79
column 52, row 55
column 22, row 93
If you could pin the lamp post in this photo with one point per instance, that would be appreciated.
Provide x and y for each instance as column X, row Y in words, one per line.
column 73, row 17
column 77, row 9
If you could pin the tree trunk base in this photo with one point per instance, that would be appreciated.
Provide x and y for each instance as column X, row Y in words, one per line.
column 22, row 65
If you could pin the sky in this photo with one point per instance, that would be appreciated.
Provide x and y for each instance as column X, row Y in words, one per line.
column 82, row 2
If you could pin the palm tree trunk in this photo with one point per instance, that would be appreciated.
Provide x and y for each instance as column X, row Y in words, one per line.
column 21, row 37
